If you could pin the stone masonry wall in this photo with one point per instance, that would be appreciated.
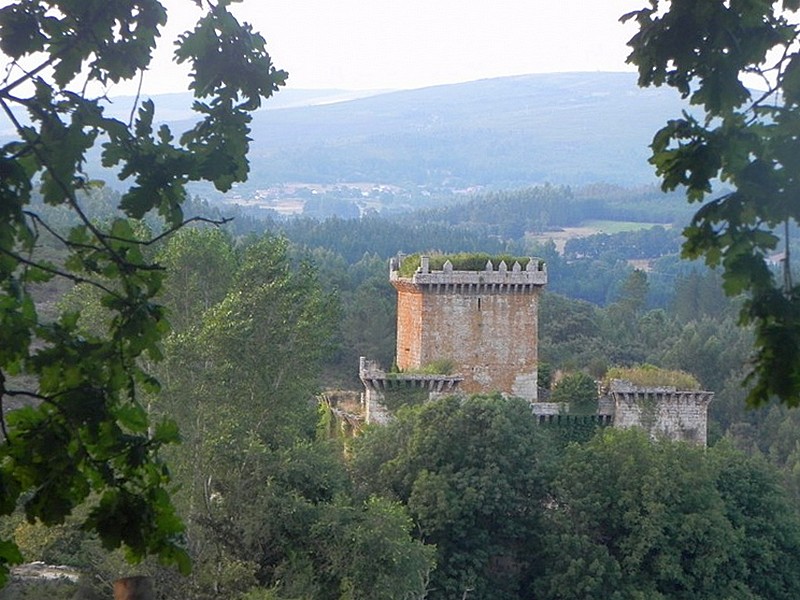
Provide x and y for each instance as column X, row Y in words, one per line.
column 491, row 337
column 662, row 412
column 378, row 383
column 410, row 308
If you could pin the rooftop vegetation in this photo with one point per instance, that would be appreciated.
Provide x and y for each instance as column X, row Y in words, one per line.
column 650, row 376
column 463, row 261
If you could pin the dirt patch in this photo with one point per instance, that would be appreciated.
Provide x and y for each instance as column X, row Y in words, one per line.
column 562, row 236
column 41, row 571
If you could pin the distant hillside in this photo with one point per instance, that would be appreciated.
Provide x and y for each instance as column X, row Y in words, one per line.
column 174, row 107
column 564, row 128
column 561, row 128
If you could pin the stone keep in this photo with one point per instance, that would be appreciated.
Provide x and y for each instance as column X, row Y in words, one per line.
column 485, row 322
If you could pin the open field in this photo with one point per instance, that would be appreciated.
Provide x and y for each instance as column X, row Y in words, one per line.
column 562, row 236
column 617, row 226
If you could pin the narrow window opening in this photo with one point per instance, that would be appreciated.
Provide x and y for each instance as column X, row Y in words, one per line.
column 479, row 303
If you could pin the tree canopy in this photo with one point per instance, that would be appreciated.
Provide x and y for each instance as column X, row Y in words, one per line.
column 633, row 518
column 80, row 432
column 717, row 54
column 472, row 473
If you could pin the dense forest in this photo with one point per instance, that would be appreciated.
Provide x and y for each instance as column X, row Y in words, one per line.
column 465, row 497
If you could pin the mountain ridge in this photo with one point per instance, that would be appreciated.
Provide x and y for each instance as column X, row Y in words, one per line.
column 514, row 131
column 563, row 128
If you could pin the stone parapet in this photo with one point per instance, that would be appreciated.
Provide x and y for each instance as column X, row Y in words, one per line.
column 439, row 384
column 372, row 376
column 377, row 383
column 502, row 278
column 558, row 412
column 548, row 408
column 701, row 399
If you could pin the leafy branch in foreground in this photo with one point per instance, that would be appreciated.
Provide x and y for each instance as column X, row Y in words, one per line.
column 748, row 140
column 83, row 434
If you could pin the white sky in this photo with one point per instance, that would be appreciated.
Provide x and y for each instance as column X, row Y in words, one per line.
column 394, row 44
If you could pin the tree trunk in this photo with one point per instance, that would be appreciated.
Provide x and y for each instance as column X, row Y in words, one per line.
column 133, row 588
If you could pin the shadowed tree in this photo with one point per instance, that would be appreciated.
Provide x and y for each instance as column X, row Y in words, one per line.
column 633, row 518
column 472, row 472
column 746, row 139
column 84, row 435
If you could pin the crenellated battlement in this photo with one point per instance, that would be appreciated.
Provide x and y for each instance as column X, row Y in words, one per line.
column 491, row 279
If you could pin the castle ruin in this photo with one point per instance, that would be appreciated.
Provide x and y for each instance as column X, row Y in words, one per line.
column 484, row 324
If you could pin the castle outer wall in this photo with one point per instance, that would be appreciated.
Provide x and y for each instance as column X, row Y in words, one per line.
column 663, row 412
column 484, row 322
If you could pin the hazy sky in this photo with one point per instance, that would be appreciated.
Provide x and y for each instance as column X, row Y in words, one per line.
column 392, row 44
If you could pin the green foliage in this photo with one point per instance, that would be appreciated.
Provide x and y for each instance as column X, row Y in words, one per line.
column 368, row 554
column 384, row 237
column 631, row 518
column 200, row 263
column 651, row 376
column 591, row 269
column 266, row 498
column 701, row 295
column 749, row 141
column 641, row 243
column 369, row 320
column 616, row 515
column 258, row 344
column 573, row 428
column 579, row 391
column 83, row 435
column 633, row 295
column 472, row 473
column 442, row 366
column 399, row 395
column 545, row 375
column 710, row 349
column 569, row 331
column 698, row 334
column 575, row 387
column 757, row 505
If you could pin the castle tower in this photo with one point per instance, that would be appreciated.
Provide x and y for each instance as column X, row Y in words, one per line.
column 662, row 411
column 485, row 322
